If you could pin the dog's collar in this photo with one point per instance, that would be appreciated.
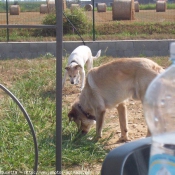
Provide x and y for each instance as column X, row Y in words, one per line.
column 89, row 116
column 73, row 61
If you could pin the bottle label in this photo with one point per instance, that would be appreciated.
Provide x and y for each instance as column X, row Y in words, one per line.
column 162, row 164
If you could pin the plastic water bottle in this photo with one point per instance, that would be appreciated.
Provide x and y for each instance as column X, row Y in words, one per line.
column 159, row 112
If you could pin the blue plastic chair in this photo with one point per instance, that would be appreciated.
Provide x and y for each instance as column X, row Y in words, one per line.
column 128, row 159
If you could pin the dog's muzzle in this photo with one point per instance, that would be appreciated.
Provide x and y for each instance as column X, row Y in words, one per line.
column 83, row 132
column 72, row 81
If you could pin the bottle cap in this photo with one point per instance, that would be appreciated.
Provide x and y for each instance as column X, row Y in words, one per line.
column 172, row 51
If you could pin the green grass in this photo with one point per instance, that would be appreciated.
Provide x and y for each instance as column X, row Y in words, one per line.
column 33, row 83
column 147, row 6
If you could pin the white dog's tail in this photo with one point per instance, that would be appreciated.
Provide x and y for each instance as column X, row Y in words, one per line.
column 98, row 55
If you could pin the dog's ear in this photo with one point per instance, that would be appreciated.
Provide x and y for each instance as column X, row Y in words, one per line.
column 77, row 66
column 67, row 68
column 72, row 115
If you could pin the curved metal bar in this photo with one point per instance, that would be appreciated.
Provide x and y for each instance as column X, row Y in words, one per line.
column 30, row 125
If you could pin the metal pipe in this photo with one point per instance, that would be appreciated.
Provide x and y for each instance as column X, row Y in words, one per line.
column 93, row 4
column 29, row 123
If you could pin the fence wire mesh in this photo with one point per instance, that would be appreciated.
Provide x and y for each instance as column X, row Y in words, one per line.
column 99, row 19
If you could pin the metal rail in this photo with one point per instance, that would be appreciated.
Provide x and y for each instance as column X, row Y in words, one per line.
column 26, row 26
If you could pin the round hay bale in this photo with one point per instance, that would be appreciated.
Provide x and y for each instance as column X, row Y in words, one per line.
column 136, row 4
column 64, row 4
column 43, row 8
column 161, row 6
column 51, row 6
column 16, row 3
column 101, row 7
column 88, row 7
column 123, row 10
column 14, row 10
column 74, row 7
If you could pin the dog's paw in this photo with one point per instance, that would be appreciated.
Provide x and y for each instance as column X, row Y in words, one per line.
column 96, row 138
column 124, row 139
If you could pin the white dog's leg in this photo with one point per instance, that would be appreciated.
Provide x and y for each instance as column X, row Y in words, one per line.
column 82, row 73
column 77, row 79
column 64, row 78
column 122, row 111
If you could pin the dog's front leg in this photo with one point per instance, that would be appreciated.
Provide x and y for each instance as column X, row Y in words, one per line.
column 64, row 78
column 99, row 124
column 122, row 111
column 82, row 73
column 78, row 78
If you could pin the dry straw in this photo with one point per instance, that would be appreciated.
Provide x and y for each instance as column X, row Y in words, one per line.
column 101, row 7
column 88, row 7
column 43, row 8
column 161, row 6
column 51, row 6
column 123, row 10
column 14, row 10
column 74, row 7
column 137, row 8
column 64, row 5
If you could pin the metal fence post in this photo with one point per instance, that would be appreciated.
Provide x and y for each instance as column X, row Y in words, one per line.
column 59, row 33
column 93, row 4
column 7, row 19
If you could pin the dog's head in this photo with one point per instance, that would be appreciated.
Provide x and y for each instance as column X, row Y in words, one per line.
column 82, row 121
column 73, row 72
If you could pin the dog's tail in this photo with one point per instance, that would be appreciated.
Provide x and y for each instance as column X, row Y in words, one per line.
column 98, row 55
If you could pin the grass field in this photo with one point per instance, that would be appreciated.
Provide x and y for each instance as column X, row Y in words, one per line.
column 32, row 81
column 148, row 24
column 35, row 18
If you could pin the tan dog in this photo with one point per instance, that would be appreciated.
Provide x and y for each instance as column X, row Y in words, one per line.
column 110, row 85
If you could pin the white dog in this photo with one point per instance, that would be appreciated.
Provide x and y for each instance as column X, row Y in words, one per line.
column 76, row 62
column 111, row 85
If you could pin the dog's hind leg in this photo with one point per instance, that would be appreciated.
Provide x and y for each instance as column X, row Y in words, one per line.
column 148, row 133
column 123, row 120
column 89, row 64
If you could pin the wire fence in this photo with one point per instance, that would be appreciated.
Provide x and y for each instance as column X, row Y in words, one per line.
column 118, row 19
